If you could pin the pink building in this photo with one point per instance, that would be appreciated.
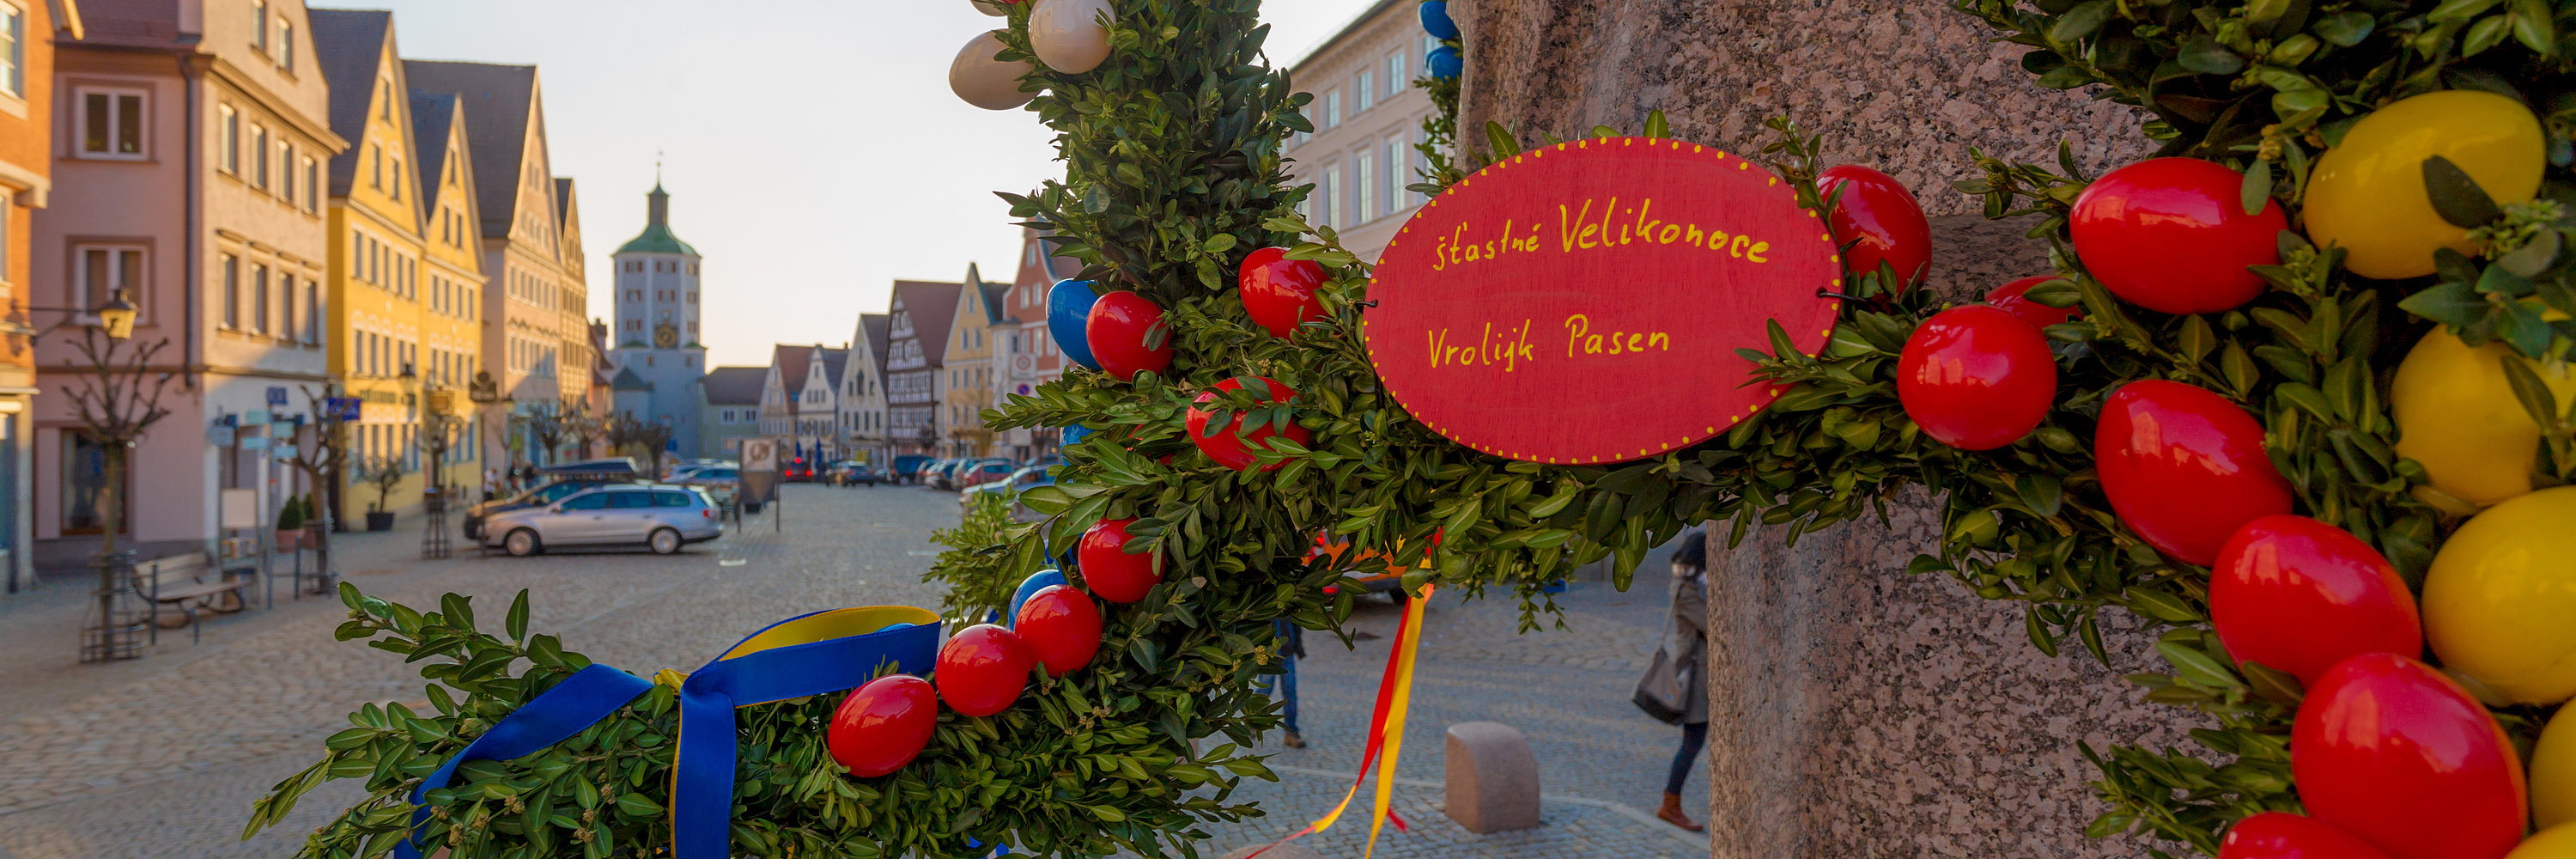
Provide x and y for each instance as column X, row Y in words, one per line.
column 1028, row 356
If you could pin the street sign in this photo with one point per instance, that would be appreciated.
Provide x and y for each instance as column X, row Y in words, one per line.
column 1585, row 302
column 348, row 409
column 277, row 395
column 219, row 436
column 254, row 417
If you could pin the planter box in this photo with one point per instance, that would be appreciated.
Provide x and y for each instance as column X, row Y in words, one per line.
column 380, row 521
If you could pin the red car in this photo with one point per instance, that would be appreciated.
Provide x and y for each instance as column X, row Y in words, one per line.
column 981, row 471
column 796, row 469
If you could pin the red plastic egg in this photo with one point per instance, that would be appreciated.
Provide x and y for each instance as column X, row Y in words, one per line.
column 982, row 669
column 1278, row 293
column 1881, row 221
column 1223, row 443
column 1976, row 377
column 1108, row 570
column 2282, row 835
column 2009, row 297
column 2184, row 467
column 883, row 725
column 1061, row 627
column 2300, row 595
column 1128, row 335
column 2171, row 234
column 2388, row 749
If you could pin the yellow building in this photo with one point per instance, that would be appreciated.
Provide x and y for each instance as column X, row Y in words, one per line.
column 966, row 381
column 400, row 307
column 451, row 301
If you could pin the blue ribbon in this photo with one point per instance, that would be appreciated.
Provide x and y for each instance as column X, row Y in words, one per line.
column 813, row 654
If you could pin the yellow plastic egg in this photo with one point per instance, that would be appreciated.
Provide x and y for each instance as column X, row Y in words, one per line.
column 2457, row 416
column 2367, row 193
column 2557, row 842
column 2500, row 601
column 2553, row 772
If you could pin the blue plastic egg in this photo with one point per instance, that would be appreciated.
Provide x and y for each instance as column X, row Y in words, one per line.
column 1435, row 20
column 1444, row 62
column 1031, row 585
column 1068, row 308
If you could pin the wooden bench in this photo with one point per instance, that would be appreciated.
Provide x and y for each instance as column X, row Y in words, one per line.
column 179, row 581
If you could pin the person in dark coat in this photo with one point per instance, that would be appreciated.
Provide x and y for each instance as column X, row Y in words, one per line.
column 1689, row 647
column 1292, row 647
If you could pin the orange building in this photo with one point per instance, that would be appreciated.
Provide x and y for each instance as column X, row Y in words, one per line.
column 27, row 29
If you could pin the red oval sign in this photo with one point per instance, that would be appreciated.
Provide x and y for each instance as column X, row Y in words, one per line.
column 1583, row 302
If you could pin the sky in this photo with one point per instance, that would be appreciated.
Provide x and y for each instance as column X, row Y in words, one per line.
column 812, row 149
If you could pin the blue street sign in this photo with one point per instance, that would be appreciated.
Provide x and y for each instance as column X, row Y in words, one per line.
column 347, row 408
column 277, row 395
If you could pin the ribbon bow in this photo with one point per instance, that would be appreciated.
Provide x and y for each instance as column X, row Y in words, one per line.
column 814, row 654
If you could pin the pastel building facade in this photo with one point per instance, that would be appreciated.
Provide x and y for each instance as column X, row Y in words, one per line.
column 655, row 322
column 1368, row 118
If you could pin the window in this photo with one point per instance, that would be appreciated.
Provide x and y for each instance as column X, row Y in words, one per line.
column 1327, row 194
column 259, row 151
column 312, row 313
column 112, row 123
column 1396, row 73
column 286, row 170
column 259, row 24
column 13, row 51
column 285, row 43
column 312, row 185
column 6, row 202
column 398, row 182
column 228, row 150
column 1365, row 91
column 286, row 306
column 1393, row 192
column 230, row 270
column 375, row 166
column 385, row 99
column 1363, row 204
column 259, row 298
column 1333, row 109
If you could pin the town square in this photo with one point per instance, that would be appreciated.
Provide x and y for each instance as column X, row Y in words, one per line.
column 955, row 429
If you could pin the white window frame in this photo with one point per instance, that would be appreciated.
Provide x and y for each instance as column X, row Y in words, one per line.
column 259, row 150
column 259, row 298
column 1331, row 191
column 228, row 275
column 113, row 123
column 312, row 185
column 8, row 215
column 13, row 55
column 1364, row 203
column 1333, row 109
column 1394, row 181
column 259, row 25
column 228, row 149
column 1398, row 70
column 285, row 43
column 1366, row 88
column 286, row 170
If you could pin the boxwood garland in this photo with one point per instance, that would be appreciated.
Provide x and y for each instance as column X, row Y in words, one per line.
column 1174, row 173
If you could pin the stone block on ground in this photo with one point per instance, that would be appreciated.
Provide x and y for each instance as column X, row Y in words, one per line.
column 1492, row 780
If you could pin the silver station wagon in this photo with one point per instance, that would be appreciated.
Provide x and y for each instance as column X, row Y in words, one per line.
column 658, row 517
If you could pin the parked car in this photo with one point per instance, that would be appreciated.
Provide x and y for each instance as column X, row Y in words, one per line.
column 615, row 468
column 542, row 495
column 795, row 469
column 981, row 471
column 660, row 517
column 683, row 469
column 938, row 474
column 1010, row 488
column 721, row 482
column 852, row 474
column 907, row 468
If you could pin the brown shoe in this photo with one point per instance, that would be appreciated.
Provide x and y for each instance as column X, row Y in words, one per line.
column 1293, row 741
column 1671, row 812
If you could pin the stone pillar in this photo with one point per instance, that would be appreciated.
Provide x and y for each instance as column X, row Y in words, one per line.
column 1856, row 711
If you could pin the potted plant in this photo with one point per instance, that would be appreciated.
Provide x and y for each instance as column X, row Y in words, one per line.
column 290, row 524
column 382, row 472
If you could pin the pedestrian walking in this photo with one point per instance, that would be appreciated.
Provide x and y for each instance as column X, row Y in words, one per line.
column 1292, row 647
column 1687, row 645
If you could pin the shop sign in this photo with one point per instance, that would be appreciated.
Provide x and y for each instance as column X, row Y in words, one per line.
column 277, row 395
column 254, row 416
column 1584, row 302
column 219, row 435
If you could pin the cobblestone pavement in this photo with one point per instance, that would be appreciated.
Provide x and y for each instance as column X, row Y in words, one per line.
column 160, row 757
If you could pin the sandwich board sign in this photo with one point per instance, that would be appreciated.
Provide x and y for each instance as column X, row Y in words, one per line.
column 759, row 470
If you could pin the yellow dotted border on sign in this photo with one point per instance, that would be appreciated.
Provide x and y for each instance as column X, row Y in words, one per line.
column 1367, row 338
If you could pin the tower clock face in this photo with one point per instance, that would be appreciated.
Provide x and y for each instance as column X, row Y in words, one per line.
column 666, row 336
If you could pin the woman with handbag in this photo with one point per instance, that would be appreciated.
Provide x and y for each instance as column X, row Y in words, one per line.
column 1676, row 686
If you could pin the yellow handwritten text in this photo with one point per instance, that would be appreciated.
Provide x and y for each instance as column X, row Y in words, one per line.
column 1579, row 337
column 1576, row 230
column 1507, row 352
column 1458, row 248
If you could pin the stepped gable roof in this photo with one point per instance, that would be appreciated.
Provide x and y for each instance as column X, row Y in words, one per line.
column 933, row 305
column 498, row 101
column 349, row 45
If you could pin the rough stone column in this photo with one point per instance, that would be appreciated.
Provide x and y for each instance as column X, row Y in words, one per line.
column 1856, row 711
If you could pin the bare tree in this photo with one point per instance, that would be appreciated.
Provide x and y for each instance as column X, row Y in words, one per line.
column 546, row 424
column 585, row 429
column 321, row 459
column 117, row 401
column 638, row 437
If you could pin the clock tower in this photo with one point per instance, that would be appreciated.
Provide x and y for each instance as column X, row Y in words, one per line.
column 655, row 335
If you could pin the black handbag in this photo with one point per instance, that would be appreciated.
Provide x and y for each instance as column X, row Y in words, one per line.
column 1661, row 692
